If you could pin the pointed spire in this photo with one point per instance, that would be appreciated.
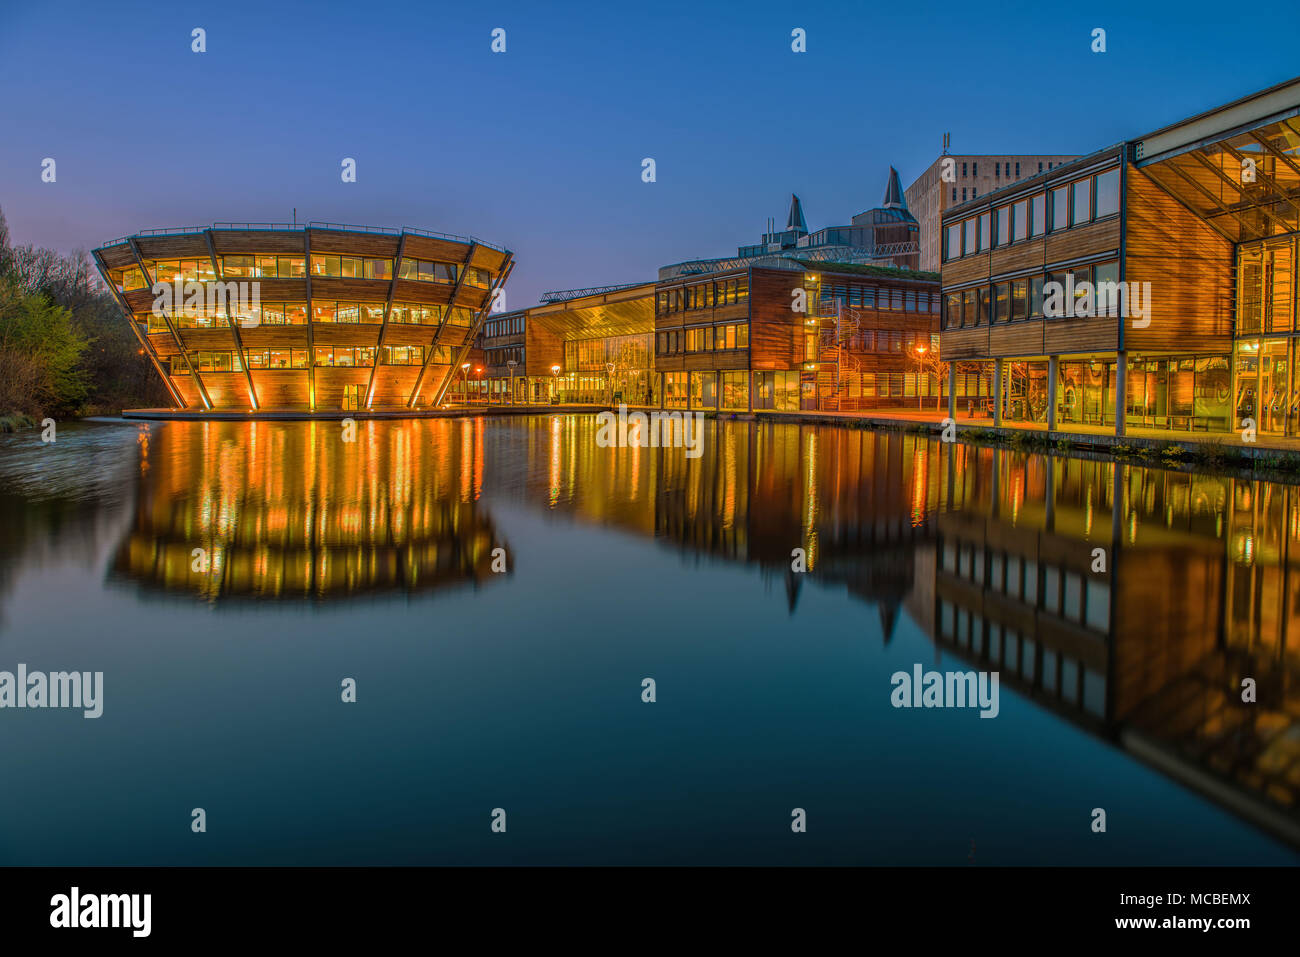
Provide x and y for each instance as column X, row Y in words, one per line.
column 894, row 192
column 796, row 220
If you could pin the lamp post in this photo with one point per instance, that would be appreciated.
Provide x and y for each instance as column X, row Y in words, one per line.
column 512, row 363
column 555, row 379
column 478, row 371
column 920, row 357
column 464, row 380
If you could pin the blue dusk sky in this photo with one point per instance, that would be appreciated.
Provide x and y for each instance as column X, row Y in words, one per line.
column 540, row 148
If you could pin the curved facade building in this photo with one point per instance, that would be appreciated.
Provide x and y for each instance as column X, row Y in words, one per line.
column 315, row 318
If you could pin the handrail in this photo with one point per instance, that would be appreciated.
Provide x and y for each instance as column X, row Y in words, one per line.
column 279, row 227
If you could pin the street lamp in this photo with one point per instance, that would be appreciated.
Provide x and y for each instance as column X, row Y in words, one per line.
column 512, row 363
column 464, row 380
column 555, row 380
column 920, row 356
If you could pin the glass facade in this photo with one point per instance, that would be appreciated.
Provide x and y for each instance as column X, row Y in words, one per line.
column 1244, row 186
column 1024, row 391
column 735, row 390
column 1085, row 392
column 704, row 390
column 1186, row 393
column 776, row 390
column 673, row 389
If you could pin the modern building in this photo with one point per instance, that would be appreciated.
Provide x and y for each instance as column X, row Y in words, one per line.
column 969, row 177
column 317, row 317
column 579, row 346
column 885, row 236
column 793, row 334
column 1148, row 286
column 827, row 320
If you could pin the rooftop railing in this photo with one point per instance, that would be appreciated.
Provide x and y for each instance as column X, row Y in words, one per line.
column 285, row 227
column 563, row 295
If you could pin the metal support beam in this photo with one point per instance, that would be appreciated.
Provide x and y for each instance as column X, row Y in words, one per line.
column 171, row 327
column 1121, row 390
column 1051, row 393
column 145, row 344
column 437, row 335
column 475, row 326
column 234, row 331
column 311, row 345
column 997, row 392
column 388, row 308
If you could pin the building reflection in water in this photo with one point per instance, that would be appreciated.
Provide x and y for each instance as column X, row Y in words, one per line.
column 1132, row 601
column 289, row 510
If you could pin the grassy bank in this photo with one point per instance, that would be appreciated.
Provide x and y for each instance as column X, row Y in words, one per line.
column 16, row 421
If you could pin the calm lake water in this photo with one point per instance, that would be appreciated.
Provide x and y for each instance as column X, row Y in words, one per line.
column 1120, row 684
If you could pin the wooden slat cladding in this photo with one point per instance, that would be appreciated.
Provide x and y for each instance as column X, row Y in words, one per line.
column 163, row 343
column 1063, row 336
column 244, row 242
column 485, row 257
column 402, row 334
column 379, row 245
column 226, row 389
column 184, row 384
column 1025, row 256
column 775, row 330
column 471, row 297
column 279, row 388
column 1016, row 338
column 1188, row 265
column 354, row 290
column 117, row 257
column 964, row 344
column 345, row 334
column 436, row 250
column 140, row 300
column 280, row 290
column 725, row 360
column 393, row 384
column 970, row 269
column 274, row 337
column 184, row 246
column 413, row 290
column 220, row 338
column 544, row 349
column 1079, row 242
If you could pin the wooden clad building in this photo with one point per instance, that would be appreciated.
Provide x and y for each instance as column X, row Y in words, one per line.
column 789, row 334
column 316, row 317
column 1137, row 287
